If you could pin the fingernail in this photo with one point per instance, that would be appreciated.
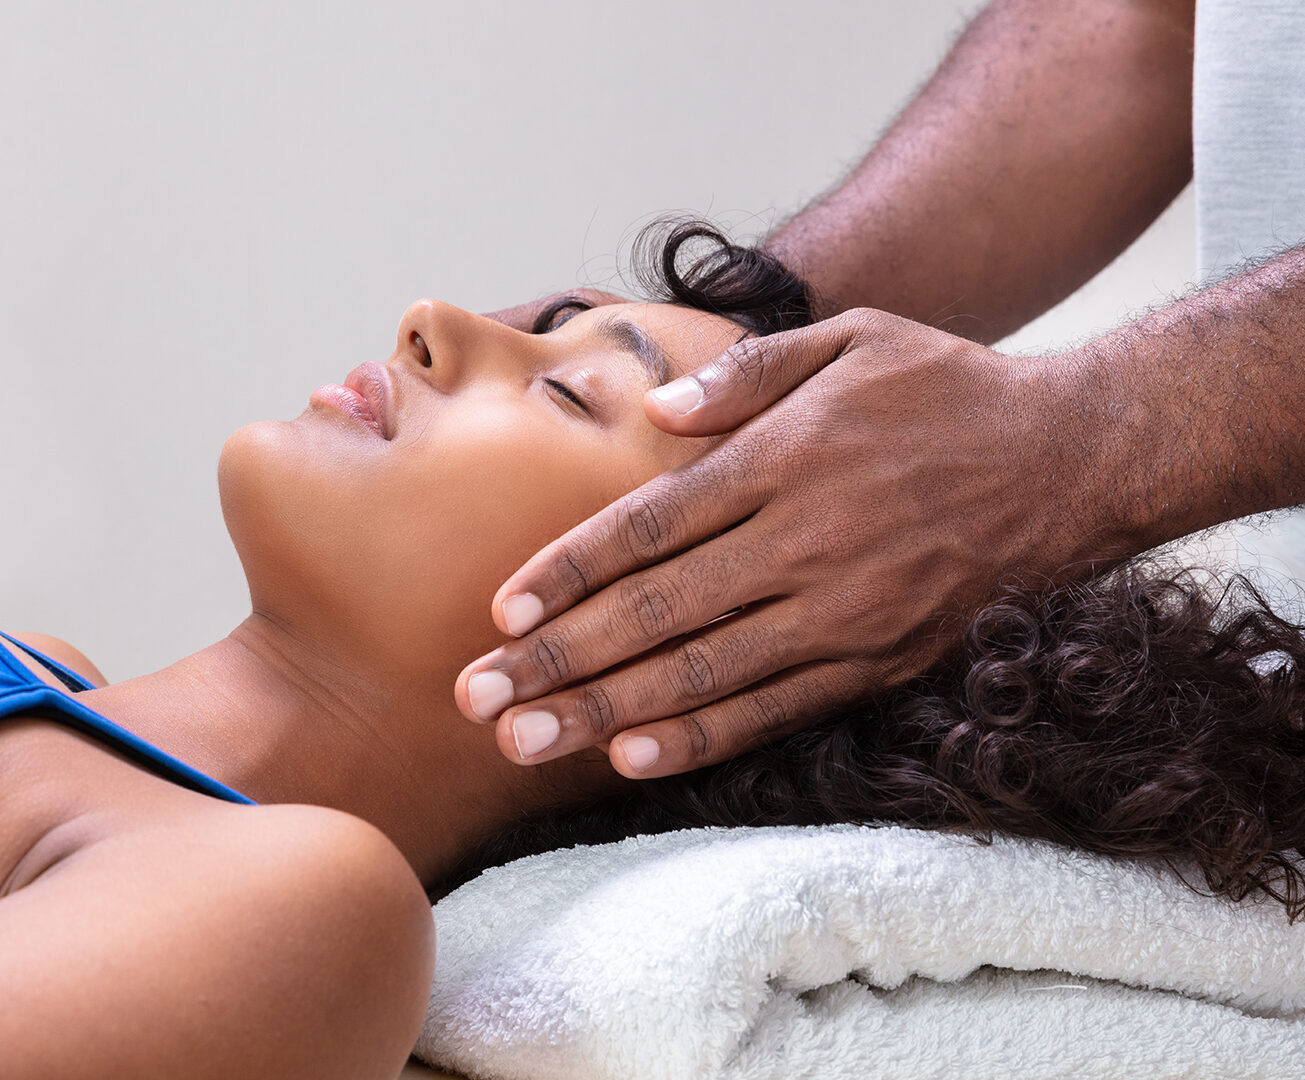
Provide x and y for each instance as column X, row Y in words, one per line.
column 681, row 396
column 534, row 732
column 522, row 613
column 490, row 693
column 640, row 751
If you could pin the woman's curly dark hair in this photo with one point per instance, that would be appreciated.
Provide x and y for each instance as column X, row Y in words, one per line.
column 1134, row 714
column 744, row 284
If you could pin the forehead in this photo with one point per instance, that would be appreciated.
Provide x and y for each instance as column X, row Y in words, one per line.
column 687, row 338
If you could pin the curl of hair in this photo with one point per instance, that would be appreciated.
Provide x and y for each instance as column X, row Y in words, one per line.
column 1133, row 714
column 691, row 263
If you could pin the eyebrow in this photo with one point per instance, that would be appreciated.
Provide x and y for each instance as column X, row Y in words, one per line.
column 627, row 336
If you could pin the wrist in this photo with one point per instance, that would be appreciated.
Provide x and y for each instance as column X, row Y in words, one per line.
column 1081, row 437
column 1140, row 444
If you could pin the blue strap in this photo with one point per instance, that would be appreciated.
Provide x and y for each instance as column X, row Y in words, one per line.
column 70, row 678
column 29, row 695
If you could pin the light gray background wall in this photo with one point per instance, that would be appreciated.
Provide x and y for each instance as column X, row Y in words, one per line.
column 207, row 210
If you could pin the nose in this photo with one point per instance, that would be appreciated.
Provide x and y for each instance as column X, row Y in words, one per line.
column 446, row 341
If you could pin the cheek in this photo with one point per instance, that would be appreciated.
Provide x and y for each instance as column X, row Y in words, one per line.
column 405, row 543
column 296, row 503
column 494, row 487
column 470, row 503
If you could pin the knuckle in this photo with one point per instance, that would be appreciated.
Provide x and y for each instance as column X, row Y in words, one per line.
column 652, row 609
column 522, row 316
column 548, row 656
column 697, row 673
column 746, row 364
column 595, row 710
column 847, row 622
column 572, row 576
column 769, row 710
column 858, row 318
column 698, row 736
column 645, row 526
column 853, row 681
column 855, row 328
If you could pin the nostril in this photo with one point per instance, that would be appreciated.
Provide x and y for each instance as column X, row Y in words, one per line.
column 419, row 344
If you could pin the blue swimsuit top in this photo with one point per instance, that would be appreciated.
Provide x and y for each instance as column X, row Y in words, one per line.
column 24, row 694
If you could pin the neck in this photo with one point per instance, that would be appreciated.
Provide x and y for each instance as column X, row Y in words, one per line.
column 282, row 720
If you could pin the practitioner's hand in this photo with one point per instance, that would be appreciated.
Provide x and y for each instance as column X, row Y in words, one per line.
column 522, row 317
column 882, row 477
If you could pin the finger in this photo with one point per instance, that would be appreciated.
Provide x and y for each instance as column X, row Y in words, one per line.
column 633, row 615
column 666, row 515
column 750, row 376
column 720, row 658
column 790, row 701
column 523, row 316
column 627, row 619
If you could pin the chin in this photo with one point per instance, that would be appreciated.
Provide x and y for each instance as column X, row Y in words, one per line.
column 247, row 457
column 319, row 551
column 273, row 508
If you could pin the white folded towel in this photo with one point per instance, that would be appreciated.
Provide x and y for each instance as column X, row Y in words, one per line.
column 861, row 953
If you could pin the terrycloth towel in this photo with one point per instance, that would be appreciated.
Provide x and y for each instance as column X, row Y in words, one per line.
column 848, row 952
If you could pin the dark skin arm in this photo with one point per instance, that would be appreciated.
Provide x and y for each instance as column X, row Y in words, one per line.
column 1207, row 403
column 1051, row 137
column 884, row 477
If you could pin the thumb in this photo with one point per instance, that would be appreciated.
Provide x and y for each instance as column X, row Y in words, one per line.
column 747, row 378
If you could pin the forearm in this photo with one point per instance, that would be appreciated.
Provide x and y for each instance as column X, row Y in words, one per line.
column 1192, row 415
column 1051, row 136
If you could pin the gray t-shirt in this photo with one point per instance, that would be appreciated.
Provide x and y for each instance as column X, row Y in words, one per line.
column 1248, row 130
column 1248, row 140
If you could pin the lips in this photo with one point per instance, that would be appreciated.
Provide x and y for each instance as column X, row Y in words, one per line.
column 364, row 397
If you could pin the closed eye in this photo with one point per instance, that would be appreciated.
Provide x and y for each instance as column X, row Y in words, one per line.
column 570, row 395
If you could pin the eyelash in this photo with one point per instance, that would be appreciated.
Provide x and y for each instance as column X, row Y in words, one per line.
column 549, row 321
column 569, row 394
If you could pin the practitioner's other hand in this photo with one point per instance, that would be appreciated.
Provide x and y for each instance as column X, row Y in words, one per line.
column 522, row 317
column 881, row 479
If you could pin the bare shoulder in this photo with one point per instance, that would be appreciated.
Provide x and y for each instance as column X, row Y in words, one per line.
column 58, row 649
column 280, row 941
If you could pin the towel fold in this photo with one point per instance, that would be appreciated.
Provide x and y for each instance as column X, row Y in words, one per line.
column 846, row 951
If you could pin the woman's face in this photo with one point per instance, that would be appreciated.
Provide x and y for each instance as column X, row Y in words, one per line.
column 390, row 527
